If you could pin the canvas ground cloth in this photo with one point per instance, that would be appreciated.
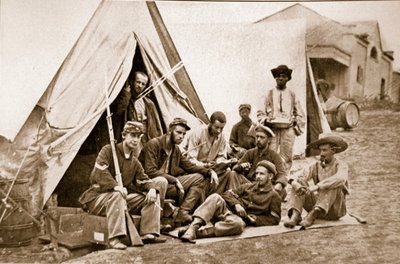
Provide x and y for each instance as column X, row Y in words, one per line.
column 250, row 232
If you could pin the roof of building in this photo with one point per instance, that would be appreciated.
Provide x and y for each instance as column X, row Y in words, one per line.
column 323, row 31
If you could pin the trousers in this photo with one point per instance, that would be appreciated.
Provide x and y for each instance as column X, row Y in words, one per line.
column 112, row 205
column 333, row 203
column 193, row 185
column 283, row 143
column 227, row 181
column 215, row 208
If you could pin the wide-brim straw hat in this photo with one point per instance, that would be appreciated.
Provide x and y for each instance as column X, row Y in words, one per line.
column 338, row 142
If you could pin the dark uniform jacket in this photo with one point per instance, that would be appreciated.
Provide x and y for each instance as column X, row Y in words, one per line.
column 239, row 135
column 154, row 154
column 125, row 111
column 103, row 179
column 264, row 202
column 254, row 156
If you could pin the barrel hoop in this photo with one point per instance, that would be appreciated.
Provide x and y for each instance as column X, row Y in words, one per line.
column 339, row 105
column 16, row 244
column 16, row 227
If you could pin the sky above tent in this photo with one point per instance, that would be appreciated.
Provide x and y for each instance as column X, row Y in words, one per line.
column 36, row 36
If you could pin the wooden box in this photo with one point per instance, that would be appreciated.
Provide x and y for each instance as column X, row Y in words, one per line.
column 95, row 228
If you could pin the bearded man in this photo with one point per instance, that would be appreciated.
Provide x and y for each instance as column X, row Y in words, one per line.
column 161, row 157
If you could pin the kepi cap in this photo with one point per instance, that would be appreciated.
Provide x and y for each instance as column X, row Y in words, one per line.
column 179, row 121
column 265, row 129
column 244, row 106
column 133, row 127
column 268, row 165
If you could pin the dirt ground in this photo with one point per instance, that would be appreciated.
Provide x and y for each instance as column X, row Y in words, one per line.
column 374, row 161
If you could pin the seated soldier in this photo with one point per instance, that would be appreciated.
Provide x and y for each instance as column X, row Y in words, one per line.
column 206, row 147
column 326, row 199
column 247, row 164
column 255, row 204
column 239, row 140
column 139, row 193
column 161, row 156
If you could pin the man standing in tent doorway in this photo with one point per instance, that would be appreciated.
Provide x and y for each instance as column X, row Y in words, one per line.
column 283, row 114
column 132, row 106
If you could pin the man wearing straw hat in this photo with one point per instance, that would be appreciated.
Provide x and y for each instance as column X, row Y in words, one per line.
column 283, row 113
column 139, row 192
column 326, row 199
column 131, row 108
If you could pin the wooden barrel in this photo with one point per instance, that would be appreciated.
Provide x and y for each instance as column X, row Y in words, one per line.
column 342, row 113
column 348, row 115
column 16, row 227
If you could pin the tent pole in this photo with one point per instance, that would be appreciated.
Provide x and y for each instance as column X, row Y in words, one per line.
column 181, row 76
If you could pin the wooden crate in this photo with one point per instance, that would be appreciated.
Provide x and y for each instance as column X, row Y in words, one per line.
column 95, row 228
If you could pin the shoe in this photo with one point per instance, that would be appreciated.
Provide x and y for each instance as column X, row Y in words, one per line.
column 115, row 243
column 206, row 231
column 151, row 239
column 294, row 220
column 183, row 217
column 310, row 218
column 182, row 230
column 166, row 228
column 190, row 234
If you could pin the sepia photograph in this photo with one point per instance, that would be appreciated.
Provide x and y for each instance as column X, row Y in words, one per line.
column 199, row 131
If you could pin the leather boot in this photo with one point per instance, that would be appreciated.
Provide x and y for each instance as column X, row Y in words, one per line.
column 294, row 219
column 183, row 217
column 206, row 231
column 310, row 218
column 190, row 234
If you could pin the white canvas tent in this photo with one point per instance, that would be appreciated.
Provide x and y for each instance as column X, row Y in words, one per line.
column 101, row 60
column 228, row 64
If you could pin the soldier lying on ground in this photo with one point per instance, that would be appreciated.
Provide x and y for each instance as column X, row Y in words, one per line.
column 256, row 204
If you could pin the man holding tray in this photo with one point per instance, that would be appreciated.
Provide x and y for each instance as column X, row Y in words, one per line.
column 283, row 114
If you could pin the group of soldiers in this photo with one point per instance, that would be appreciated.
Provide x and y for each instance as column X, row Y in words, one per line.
column 226, row 185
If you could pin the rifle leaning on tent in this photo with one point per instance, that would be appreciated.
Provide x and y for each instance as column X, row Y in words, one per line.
column 132, row 232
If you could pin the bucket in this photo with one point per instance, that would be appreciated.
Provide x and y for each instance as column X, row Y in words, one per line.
column 341, row 113
column 16, row 228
